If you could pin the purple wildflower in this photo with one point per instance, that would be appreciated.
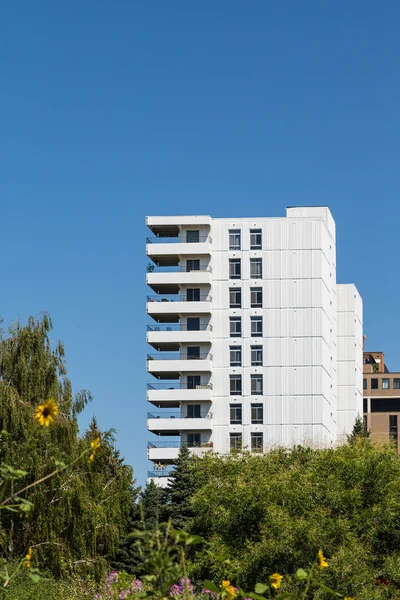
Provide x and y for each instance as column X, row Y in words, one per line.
column 136, row 585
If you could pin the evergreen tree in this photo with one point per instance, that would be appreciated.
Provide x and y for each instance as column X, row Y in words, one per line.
column 359, row 430
column 178, row 494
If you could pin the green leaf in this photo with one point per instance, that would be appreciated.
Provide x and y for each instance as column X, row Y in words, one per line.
column 9, row 472
column 60, row 464
column 195, row 539
column 301, row 574
column 255, row 596
column 34, row 577
column 209, row 585
column 260, row 588
column 328, row 589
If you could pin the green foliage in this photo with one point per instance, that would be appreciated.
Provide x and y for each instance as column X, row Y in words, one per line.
column 75, row 518
column 359, row 431
column 271, row 513
column 177, row 504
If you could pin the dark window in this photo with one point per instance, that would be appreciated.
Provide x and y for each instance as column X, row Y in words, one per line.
column 192, row 265
column 236, row 414
column 235, row 298
column 364, row 384
column 257, row 413
column 256, row 297
column 385, row 405
column 235, row 440
column 193, row 440
column 396, row 383
column 256, row 442
column 193, row 294
column 393, row 431
column 235, row 324
column 193, row 324
column 193, row 352
column 256, row 326
column 365, row 405
column 255, row 239
column 235, row 271
column 256, row 385
column 193, row 411
column 374, row 384
column 235, row 382
column 256, row 356
column 193, row 236
column 255, row 268
column 193, row 381
column 235, row 353
column 234, row 239
column 385, row 383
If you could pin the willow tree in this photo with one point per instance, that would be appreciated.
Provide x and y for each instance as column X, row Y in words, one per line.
column 80, row 513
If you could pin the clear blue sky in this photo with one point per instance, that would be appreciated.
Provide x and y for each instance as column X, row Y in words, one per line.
column 111, row 110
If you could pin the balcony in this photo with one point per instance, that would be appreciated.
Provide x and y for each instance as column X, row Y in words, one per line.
column 168, row 250
column 168, row 279
column 169, row 307
column 174, row 422
column 167, row 452
column 172, row 365
column 160, row 477
column 169, row 337
column 171, row 394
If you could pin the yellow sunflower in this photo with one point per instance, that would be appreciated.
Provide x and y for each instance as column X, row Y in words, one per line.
column 322, row 560
column 28, row 558
column 95, row 444
column 228, row 590
column 275, row 580
column 46, row 412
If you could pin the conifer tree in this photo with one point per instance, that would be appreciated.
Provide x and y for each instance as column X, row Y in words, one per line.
column 359, row 430
column 178, row 494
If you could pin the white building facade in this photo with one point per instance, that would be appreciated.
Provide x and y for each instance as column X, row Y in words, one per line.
column 254, row 345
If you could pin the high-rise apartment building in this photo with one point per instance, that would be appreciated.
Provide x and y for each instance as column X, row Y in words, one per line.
column 253, row 343
column 381, row 399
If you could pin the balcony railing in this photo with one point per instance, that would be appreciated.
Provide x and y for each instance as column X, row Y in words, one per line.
column 160, row 473
column 177, row 356
column 177, row 269
column 178, row 327
column 178, row 385
column 179, row 444
column 176, row 414
column 178, row 240
column 178, row 298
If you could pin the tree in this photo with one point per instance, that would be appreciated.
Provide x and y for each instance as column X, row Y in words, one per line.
column 79, row 514
column 359, row 430
column 177, row 504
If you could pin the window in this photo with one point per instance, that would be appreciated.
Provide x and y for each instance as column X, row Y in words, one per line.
column 235, row 356
column 235, row 324
column 364, row 384
column 193, row 411
column 396, row 383
column 193, row 440
column 256, row 326
column 256, row 356
column 257, row 413
column 374, row 384
column 393, row 431
column 193, row 236
column 255, row 239
column 193, row 265
column 385, row 405
column 235, row 382
column 365, row 405
column 386, row 383
column 193, row 352
column 256, row 297
column 255, row 268
column 234, row 239
column 256, row 385
column 235, row 440
column 236, row 414
column 235, row 298
column 193, row 381
column 234, row 268
column 193, row 324
column 365, row 422
column 193, row 294
column 256, row 442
